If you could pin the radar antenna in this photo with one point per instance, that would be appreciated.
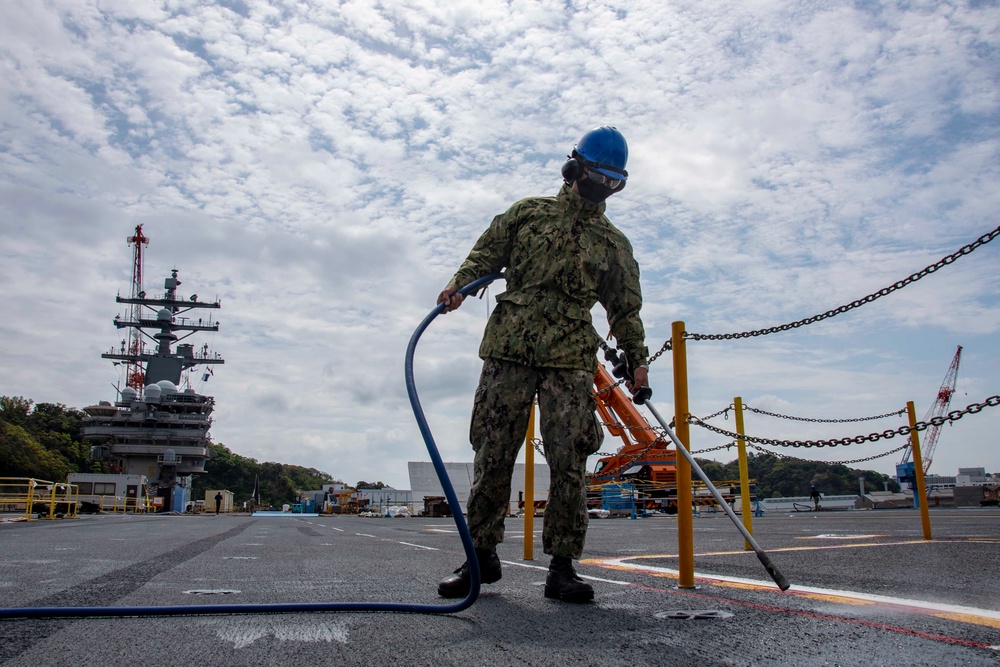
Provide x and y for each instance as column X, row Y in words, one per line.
column 134, row 372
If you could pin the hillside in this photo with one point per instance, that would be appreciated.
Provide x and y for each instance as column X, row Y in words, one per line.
column 43, row 440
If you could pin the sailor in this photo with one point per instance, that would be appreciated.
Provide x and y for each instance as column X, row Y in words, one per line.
column 814, row 496
column 561, row 256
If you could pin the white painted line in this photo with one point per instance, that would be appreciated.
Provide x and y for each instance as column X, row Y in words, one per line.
column 364, row 535
column 419, row 546
column 606, row 581
column 902, row 602
column 921, row 605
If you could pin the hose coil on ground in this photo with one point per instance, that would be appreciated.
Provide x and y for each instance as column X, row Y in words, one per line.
column 449, row 490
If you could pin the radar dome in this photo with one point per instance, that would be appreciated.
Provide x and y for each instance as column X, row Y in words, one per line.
column 167, row 387
column 164, row 314
column 129, row 394
column 152, row 391
column 169, row 456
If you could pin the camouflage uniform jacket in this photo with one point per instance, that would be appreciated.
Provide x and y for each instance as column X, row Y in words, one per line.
column 561, row 255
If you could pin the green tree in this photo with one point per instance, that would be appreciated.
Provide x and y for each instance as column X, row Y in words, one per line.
column 54, row 428
column 277, row 483
column 22, row 456
column 781, row 477
column 15, row 409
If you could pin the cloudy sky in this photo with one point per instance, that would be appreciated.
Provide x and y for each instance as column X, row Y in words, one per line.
column 322, row 168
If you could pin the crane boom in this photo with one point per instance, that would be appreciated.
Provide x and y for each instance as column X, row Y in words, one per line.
column 643, row 445
column 940, row 406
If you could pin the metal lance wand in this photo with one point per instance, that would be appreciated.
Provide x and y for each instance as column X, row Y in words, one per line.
column 642, row 397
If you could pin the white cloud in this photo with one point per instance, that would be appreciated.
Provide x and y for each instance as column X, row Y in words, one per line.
column 324, row 169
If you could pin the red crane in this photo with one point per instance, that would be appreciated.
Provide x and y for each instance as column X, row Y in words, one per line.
column 134, row 372
column 940, row 406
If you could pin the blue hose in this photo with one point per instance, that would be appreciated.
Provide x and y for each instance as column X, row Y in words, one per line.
column 449, row 491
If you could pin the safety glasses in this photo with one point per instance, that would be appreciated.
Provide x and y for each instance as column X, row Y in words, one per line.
column 601, row 179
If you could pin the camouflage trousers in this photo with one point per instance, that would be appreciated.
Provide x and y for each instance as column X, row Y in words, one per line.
column 570, row 432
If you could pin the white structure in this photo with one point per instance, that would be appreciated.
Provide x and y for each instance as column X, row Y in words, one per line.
column 972, row 477
column 424, row 482
column 387, row 497
column 805, row 503
column 111, row 491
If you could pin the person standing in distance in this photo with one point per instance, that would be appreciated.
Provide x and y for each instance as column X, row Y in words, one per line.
column 560, row 256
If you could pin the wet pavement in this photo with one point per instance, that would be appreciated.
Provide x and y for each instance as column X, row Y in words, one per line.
column 867, row 589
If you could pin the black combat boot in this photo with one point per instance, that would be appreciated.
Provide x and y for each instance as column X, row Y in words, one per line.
column 563, row 583
column 458, row 584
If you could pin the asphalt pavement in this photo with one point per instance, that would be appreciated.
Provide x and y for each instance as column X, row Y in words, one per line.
column 867, row 589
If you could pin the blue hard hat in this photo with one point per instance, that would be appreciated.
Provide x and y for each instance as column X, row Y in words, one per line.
column 605, row 151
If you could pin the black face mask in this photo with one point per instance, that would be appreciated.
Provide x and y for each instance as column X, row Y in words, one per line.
column 593, row 192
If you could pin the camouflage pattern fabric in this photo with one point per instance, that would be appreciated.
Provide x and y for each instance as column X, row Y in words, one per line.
column 570, row 431
column 560, row 256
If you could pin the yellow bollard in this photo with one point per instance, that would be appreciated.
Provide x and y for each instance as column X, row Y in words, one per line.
column 741, row 447
column 529, row 488
column 30, row 502
column 685, row 521
column 52, row 502
column 918, row 469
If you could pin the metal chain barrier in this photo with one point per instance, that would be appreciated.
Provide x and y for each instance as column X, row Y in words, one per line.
column 608, row 389
column 700, row 451
column 625, row 427
column 537, row 444
column 723, row 411
column 867, row 458
column 666, row 346
column 912, row 278
column 897, row 413
column 952, row 416
column 728, row 445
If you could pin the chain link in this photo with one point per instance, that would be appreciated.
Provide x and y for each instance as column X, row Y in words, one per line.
column 700, row 451
column 625, row 427
column 867, row 458
column 952, row 416
column 912, row 278
column 897, row 413
column 666, row 346
column 608, row 389
column 723, row 411
column 728, row 445
column 537, row 444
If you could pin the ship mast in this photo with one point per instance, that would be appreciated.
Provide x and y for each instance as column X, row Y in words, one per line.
column 156, row 429
column 134, row 372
